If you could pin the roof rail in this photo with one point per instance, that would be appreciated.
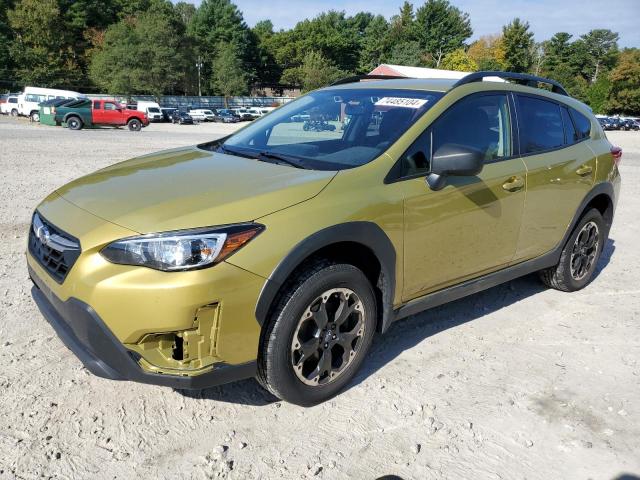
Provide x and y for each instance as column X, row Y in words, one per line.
column 521, row 78
column 359, row 78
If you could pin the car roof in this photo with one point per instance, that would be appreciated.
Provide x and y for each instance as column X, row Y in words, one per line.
column 427, row 84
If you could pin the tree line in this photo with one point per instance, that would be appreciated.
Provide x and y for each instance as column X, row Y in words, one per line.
column 158, row 47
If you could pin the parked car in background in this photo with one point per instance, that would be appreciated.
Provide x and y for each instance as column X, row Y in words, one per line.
column 181, row 118
column 89, row 113
column 30, row 99
column 202, row 114
column 629, row 124
column 225, row 116
column 151, row 109
column 167, row 113
column 244, row 114
column 10, row 107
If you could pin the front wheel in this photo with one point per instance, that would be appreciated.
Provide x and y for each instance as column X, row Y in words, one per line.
column 318, row 334
column 134, row 125
column 579, row 256
column 35, row 116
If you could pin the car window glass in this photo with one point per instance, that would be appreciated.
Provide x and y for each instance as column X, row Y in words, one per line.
column 110, row 106
column 480, row 122
column 570, row 134
column 583, row 124
column 97, row 105
column 540, row 125
column 335, row 129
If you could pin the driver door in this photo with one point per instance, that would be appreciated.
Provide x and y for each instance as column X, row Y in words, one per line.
column 471, row 226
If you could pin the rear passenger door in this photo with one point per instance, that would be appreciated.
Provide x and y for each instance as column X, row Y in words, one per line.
column 560, row 170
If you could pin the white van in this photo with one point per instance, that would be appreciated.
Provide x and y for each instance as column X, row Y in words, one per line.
column 152, row 109
column 202, row 114
column 32, row 97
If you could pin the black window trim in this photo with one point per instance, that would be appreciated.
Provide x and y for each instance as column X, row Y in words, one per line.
column 560, row 105
column 395, row 173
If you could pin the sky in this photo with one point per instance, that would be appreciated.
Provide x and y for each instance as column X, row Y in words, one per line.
column 487, row 16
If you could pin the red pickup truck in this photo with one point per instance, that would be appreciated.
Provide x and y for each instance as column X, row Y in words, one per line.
column 87, row 113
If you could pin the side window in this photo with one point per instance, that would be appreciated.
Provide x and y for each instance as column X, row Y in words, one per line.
column 109, row 106
column 480, row 122
column 583, row 124
column 97, row 105
column 540, row 125
column 570, row 134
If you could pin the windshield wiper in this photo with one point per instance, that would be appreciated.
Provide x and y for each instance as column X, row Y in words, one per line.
column 230, row 151
column 279, row 157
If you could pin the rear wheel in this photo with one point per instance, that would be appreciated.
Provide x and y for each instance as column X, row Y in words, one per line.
column 35, row 116
column 318, row 335
column 134, row 125
column 74, row 123
column 579, row 256
column 14, row 113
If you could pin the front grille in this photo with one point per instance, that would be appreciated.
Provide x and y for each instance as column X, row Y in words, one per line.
column 54, row 249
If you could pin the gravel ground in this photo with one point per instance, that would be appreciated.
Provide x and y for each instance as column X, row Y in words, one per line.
column 514, row 382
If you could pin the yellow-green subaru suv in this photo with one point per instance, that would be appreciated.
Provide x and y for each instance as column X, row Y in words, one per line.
column 279, row 251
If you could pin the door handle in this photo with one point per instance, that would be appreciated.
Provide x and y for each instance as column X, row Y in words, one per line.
column 513, row 184
column 584, row 170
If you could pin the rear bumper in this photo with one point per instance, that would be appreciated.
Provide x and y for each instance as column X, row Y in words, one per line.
column 86, row 335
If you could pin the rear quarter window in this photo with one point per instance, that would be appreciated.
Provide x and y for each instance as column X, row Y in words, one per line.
column 541, row 126
column 583, row 124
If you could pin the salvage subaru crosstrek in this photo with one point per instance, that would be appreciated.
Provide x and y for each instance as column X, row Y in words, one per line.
column 278, row 252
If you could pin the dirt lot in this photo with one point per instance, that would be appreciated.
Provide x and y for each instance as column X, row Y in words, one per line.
column 516, row 382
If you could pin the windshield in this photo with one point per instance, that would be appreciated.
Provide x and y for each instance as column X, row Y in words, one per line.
column 333, row 129
column 153, row 110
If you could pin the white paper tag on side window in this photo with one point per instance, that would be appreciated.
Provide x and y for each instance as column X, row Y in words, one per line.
column 401, row 102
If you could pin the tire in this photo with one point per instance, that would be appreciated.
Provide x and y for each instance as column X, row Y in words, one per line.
column 35, row 116
column 14, row 113
column 134, row 125
column 74, row 123
column 575, row 269
column 292, row 325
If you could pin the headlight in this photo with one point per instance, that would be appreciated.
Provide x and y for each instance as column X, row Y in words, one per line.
column 181, row 250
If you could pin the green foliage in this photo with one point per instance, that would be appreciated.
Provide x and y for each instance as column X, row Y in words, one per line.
column 229, row 76
column 624, row 96
column 440, row 29
column 407, row 53
column 374, row 46
column 39, row 51
column 595, row 52
column 317, row 71
column 460, row 61
column 518, row 46
column 141, row 55
column 154, row 46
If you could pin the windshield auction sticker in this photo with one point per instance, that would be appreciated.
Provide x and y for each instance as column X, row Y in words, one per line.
column 401, row 102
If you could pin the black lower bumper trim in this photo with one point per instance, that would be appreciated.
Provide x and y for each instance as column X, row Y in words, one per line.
column 86, row 335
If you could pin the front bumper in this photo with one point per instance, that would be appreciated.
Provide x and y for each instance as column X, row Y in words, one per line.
column 86, row 335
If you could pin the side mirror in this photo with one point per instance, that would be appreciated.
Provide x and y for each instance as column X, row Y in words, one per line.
column 453, row 160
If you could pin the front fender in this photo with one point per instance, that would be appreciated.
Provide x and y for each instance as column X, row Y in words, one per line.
column 368, row 234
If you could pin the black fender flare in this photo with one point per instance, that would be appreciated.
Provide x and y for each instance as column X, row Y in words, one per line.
column 368, row 234
column 602, row 188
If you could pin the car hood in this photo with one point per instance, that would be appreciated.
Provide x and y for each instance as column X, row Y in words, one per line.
column 190, row 187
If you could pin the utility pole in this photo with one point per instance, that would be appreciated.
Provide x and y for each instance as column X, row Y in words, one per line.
column 199, row 66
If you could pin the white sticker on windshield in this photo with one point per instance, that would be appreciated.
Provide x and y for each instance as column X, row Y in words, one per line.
column 401, row 102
